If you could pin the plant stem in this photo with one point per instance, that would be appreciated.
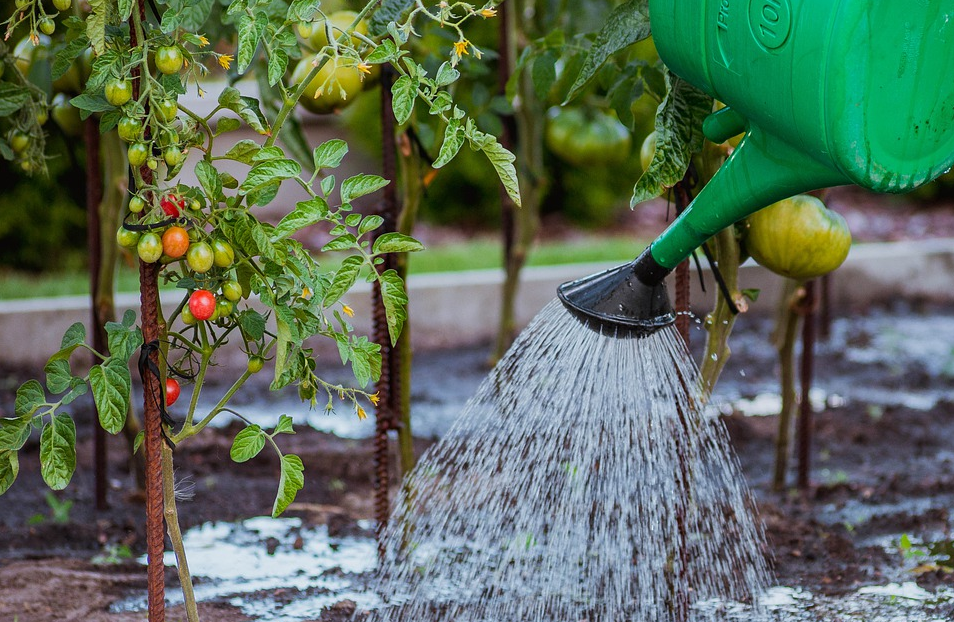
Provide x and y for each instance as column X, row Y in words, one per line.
column 175, row 534
column 720, row 322
column 786, row 334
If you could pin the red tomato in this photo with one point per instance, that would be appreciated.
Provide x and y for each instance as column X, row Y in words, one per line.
column 172, row 204
column 172, row 391
column 202, row 304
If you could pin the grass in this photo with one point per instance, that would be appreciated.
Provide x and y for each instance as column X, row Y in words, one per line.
column 478, row 254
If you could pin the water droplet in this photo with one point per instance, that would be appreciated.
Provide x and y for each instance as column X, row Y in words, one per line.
column 714, row 356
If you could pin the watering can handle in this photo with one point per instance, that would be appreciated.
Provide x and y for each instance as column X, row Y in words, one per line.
column 723, row 124
column 762, row 170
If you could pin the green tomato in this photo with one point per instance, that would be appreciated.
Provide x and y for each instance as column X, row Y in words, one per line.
column 62, row 5
column 337, row 78
column 127, row 238
column 19, row 141
column 305, row 29
column 47, row 26
column 647, row 150
column 23, row 4
column 798, row 238
column 200, row 257
column 587, row 138
column 42, row 113
column 149, row 247
column 66, row 116
column 224, row 307
column 187, row 318
column 340, row 21
column 166, row 110
column 232, row 290
column 130, row 129
column 168, row 138
column 152, row 163
column 136, row 204
column 255, row 364
column 173, row 156
column 118, row 92
column 137, row 153
column 169, row 59
column 224, row 254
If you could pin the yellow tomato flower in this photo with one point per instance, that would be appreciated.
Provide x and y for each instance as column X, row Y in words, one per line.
column 362, row 414
column 364, row 68
column 203, row 40
column 488, row 13
column 225, row 60
column 348, row 310
column 460, row 47
column 375, row 398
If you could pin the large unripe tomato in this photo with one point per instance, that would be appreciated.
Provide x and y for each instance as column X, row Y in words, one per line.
column 202, row 304
column 172, row 391
column 223, row 254
column 339, row 22
column 118, row 92
column 66, row 116
column 200, row 258
column 130, row 129
column 799, row 238
column 47, row 26
column 330, row 100
column 173, row 156
column 137, row 154
column 175, row 241
column 166, row 110
column 169, row 59
column 232, row 290
column 647, row 150
column 587, row 138
column 127, row 238
column 136, row 204
column 62, row 5
column 149, row 247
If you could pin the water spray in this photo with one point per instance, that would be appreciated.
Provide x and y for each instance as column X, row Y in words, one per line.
column 827, row 92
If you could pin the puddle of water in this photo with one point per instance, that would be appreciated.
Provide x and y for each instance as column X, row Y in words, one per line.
column 234, row 563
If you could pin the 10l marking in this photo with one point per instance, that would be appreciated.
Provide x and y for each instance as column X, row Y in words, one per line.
column 771, row 22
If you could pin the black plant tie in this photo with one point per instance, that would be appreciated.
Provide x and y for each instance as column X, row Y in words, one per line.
column 721, row 281
column 130, row 226
column 146, row 363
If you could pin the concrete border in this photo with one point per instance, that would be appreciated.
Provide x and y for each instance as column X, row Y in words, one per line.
column 461, row 308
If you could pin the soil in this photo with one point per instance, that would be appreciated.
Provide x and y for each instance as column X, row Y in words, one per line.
column 878, row 472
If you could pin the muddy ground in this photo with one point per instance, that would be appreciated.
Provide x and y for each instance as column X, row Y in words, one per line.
column 880, row 470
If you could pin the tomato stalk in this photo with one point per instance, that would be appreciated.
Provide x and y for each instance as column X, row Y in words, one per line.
column 171, row 513
column 791, row 309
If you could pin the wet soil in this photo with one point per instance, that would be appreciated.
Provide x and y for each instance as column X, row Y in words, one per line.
column 880, row 470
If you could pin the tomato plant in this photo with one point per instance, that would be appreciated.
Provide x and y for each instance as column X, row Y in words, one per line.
column 261, row 269
column 588, row 139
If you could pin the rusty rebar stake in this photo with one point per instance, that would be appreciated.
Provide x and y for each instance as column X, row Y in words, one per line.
column 388, row 386
column 94, row 243
column 805, row 418
column 153, row 397
column 682, row 197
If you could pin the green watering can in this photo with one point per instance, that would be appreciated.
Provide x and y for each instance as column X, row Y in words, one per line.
column 828, row 93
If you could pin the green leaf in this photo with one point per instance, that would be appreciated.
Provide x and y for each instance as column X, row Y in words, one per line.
column 9, row 468
column 502, row 161
column 189, row 15
column 247, row 108
column 305, row 214
column 67, row 54
column 389, row 11
column 268, row 153
column 209, row 179
column 344, row 278
column 386, row 52
column 227, row 124
column 253, row 324
column 340, row 243
column 395, row 302
column 247, row 444
column 30, row 396
column 88, row 104
column 453, row 140
column 543, row 73
column 77, row 388
column 58, row 451
column 286, row 336
column 122, row 340
column 284, row 426
column 626, row 25
column 292, row 480
column 404, row 92
column 243, row 151
column 72, row 338
column 277, row 64
column 111, row 385
column 96, row 25
column 446, row 74
column 12, row 98
column 269, row 171
column 678, row 135
column 137, row 443
column 370, row 223
column 328, row 185
column 302, row 10
column 361, row 185
column 250, row 32
column 14, row 433
column 58, row 375
column 396, row 243
column 330, row 153
column 752, row 293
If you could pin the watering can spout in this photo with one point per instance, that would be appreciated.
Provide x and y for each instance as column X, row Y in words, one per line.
column 762, row 170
